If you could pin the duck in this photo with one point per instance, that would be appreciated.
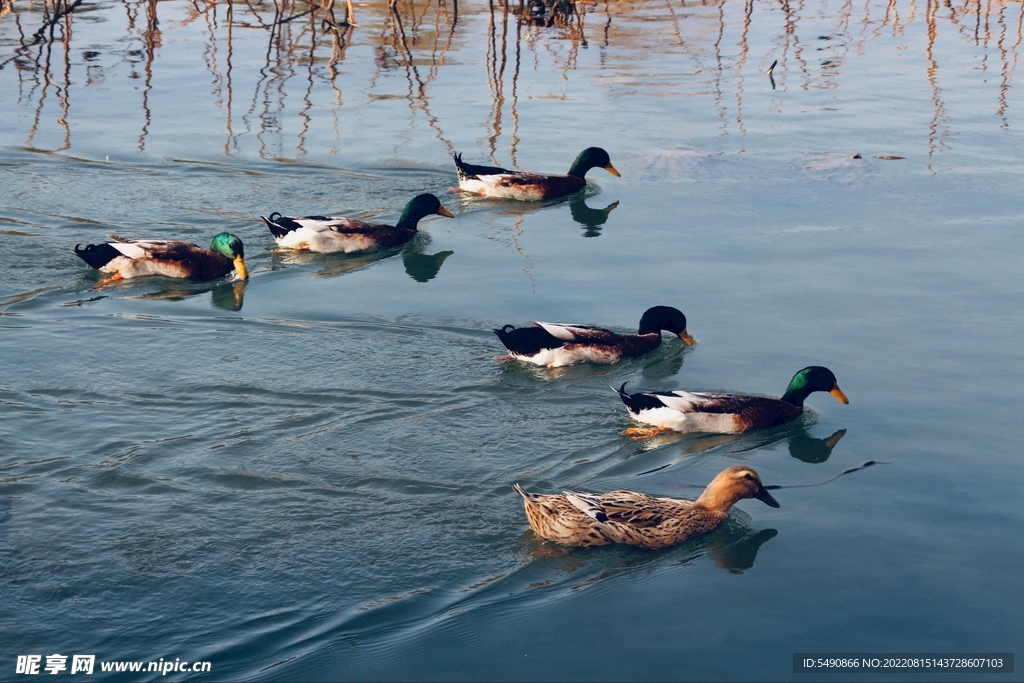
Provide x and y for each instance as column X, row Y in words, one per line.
column 491, row 181
column 587, row 520
column 336, row 233
column 129, row 258
column 687, row 411
column 558, row 344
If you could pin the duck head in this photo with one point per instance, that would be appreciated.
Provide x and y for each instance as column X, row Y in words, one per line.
column 733, row 484
column 665, row 318
column 230, row 246
column 420, row 206
column 592, row 157
column 809, row 380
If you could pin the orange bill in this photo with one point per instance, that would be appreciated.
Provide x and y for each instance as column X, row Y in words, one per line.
column 240, row 270
column 611, row 169
column 445, row 212
column 685, row 336
column 838, row 393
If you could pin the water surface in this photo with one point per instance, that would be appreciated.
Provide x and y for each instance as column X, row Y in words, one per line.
column 308, row 475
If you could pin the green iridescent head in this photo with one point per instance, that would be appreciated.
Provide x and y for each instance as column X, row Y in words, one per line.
column 227, row 245
column 420, row 206
column 811, row 379
column 592, row 157
column 230, row 246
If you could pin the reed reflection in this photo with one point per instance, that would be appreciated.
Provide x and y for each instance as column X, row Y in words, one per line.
column 303, row 46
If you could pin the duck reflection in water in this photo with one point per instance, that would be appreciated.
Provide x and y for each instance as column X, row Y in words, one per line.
column 419, row 266
column 228, row 296
column 424, row 267
column 802, row 445
column 739, row 556
column 806, row 448
column 590, row 218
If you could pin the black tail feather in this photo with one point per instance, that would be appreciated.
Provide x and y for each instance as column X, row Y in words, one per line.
column 281, row 225
column 97, row 255
column 637, row 402
column 527, row 341
column 472, row 171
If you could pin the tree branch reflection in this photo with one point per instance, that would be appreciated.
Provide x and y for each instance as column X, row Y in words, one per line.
column 312, row 37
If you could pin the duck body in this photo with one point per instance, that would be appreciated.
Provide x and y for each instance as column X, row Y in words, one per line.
column 687, row 411
column 128, row 258
column 339, row 234
column 559, row 344
column 503, row 183
column 588, row 520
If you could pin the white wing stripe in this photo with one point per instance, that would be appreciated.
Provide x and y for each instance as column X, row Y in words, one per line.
column 556, row 330
column 681, row 403
column 129, row 249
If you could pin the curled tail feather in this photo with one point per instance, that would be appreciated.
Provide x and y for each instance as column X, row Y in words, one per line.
column 279, row 225
column 97, row 255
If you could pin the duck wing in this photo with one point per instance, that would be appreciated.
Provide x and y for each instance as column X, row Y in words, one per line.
column 523, row 184
column 163, row 250
column 514, row 178
column 579, row 334
column 282, row 225
column 751, row 412
column 626, row 507
column 638, row 509
column 587, row 503
column 700, row 402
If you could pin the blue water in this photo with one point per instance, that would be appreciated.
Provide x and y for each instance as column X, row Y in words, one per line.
column 308, row 475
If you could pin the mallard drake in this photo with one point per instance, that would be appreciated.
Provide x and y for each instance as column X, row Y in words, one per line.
column 127, row 258
column 586, row 519
column 335, row 233
column 557, row 344
column 491, row 181
column 686, row 411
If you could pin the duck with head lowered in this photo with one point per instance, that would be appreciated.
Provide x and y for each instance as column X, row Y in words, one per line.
column 336, row 233
column 492, row 181
column 127, row 258
column 558, row 344
column 587, row 520
column 690, row 411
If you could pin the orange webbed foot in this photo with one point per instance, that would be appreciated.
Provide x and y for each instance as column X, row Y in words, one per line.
column 638, row 433
column 116, row 277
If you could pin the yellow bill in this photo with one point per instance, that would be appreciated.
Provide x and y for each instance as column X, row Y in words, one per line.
column 838, row 393
column 685, row 336
column 445, row 212
column 240, row 269
column 611, row 169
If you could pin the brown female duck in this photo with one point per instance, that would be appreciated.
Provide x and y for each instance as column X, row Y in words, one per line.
column 585, row 519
